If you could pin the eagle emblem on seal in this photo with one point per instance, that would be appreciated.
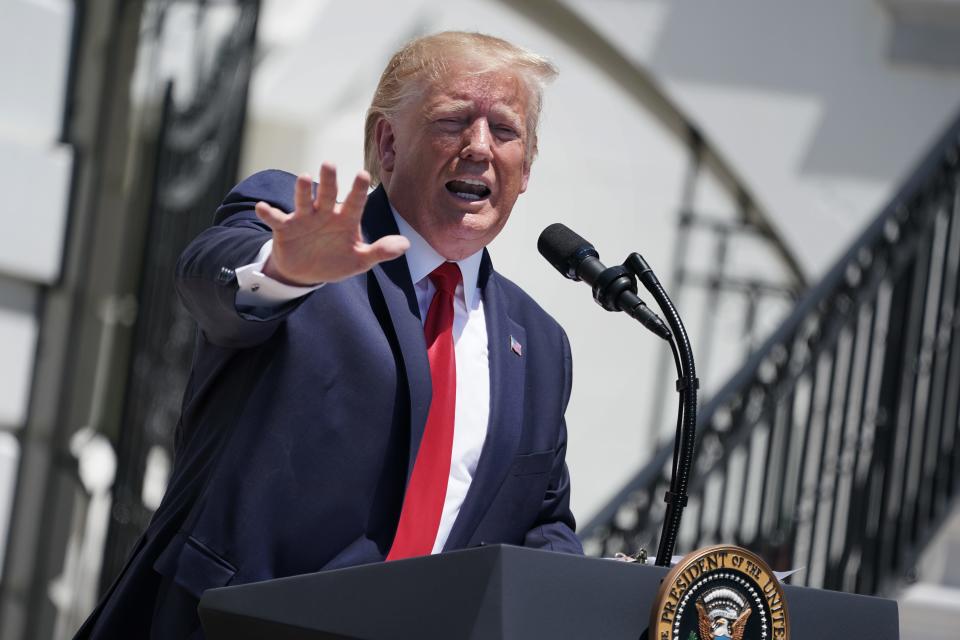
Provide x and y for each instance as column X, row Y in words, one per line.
column 722, row 614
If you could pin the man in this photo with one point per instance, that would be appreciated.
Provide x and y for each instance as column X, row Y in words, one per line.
column 365, row 386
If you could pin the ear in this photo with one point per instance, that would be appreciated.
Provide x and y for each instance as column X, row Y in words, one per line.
column 385, row 141
column 527, row 163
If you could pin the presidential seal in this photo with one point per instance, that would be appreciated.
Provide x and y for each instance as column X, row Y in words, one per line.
column 720, row 593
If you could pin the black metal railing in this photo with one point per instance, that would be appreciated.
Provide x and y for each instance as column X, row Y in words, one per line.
column 835, row 447
column 196, row 155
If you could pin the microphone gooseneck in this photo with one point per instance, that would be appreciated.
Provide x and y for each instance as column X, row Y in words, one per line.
column 615, row 289
column 687, row 386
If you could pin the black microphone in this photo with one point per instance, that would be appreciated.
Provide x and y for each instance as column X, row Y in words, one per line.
column 614, row 288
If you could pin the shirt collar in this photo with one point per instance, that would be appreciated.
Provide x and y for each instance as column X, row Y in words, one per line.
column 422, row 259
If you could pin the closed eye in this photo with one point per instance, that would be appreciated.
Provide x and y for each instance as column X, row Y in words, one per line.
column 450, row 124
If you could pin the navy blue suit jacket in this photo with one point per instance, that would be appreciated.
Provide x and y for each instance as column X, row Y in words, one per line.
column 299, row 430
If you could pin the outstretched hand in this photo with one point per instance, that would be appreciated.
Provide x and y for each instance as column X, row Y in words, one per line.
column 320, row 240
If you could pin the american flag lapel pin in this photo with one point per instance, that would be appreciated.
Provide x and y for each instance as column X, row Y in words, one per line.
column 515, row 346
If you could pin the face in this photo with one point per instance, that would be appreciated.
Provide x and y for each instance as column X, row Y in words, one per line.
column 453, row 162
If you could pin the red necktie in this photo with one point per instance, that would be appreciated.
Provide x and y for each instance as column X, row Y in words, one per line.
column 427, row 488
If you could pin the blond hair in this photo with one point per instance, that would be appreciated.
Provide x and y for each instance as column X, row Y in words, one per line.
column 426, row 59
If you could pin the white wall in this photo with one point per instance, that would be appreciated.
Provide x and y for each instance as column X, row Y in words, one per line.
column 35, row 172
column 806, row 99
column 34, row 168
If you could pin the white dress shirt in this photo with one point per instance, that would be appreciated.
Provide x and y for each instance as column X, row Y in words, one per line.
column 470, row 347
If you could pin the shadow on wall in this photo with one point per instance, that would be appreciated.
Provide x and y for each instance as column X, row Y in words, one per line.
column 806, row 50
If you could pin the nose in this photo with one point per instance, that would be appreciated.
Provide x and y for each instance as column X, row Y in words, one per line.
column 477, row 142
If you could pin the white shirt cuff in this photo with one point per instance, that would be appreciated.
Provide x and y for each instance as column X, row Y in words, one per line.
column 259, row 290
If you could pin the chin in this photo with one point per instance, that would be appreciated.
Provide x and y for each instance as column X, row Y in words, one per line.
column 457, row 243
column 475, row 233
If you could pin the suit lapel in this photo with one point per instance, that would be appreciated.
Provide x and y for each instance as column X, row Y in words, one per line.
column 393, row 277
column 507, row 370
column 506, row 409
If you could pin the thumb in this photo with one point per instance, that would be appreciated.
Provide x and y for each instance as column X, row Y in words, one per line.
column 386, row 248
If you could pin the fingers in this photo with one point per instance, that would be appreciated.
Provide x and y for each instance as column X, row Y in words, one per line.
column 327, row 189
column 386, row 248
column 325, row 201
column 353, row 205
column 302, row 195
column 272, row 216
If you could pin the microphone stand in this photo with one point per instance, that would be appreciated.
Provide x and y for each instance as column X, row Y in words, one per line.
column 687, row 386
column 615, row 289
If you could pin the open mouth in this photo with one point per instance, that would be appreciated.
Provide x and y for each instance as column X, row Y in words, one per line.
column 469, row 190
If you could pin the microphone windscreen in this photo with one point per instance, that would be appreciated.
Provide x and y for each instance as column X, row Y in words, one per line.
column 564, row 249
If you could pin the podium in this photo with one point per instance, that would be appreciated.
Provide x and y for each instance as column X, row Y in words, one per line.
column 491, row 593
